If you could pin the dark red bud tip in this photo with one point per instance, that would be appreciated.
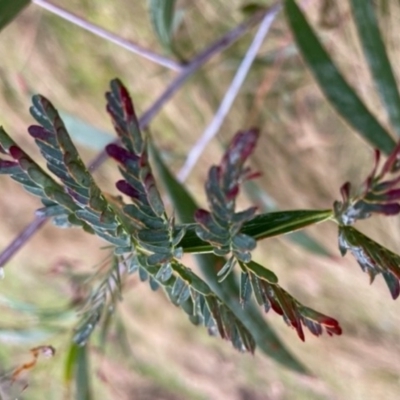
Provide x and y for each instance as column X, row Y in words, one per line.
column 393, row 194
column 16, row 152
column 245, row 142
column 388, row 209
column 125, row 188
column 38, row 132
column 334, row 330
column 233, row 193
column 345, row 191
column 201, row 215
column 119, row 154
column 253, row 175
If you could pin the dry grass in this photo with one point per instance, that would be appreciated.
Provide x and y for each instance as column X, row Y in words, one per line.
column 305, row 154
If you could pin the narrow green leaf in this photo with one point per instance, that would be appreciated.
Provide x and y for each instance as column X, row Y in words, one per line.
column 378, row 60
column 82, row 374
column 228, row 290
column 70, row 363
column 162, row 18
column 260, row 197
column 282, row 222
column 9, row 9
column 335, row 87
column 263, row 226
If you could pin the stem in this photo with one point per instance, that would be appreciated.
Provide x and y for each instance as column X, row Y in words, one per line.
column 111, row 37
column 218, row 46
column 21, row 239
column 230, row 96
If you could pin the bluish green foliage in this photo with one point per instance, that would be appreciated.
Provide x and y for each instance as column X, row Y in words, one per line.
column 373, row 258
column 148, row 241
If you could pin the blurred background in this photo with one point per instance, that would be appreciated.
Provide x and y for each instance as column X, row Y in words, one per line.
column 306, row 153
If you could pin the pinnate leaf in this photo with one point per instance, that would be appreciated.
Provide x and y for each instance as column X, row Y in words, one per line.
column 221, row 225
column 373, row 258
column 228, row 290
column 188, row 291
column 270, row 295
column 145, row 218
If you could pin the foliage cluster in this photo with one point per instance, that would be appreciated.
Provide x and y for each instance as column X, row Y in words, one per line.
column 145, row 239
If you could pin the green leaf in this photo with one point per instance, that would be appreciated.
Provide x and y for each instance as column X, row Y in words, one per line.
column 373, row 258
column 271, row 295
column 378, row 60
column 70, row 363
column 335, row 87
column 9, row 9
column 162, row 19
column 100, row 302
column 263, row 226
column 260, row 197
column 83, row 374
column 282, row 222
column 77, row 371
column 228, row 290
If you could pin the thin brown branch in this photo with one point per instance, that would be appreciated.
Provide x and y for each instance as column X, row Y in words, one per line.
column 21, row 239
column 111, row 37
column 230, row 95
column 221, row 44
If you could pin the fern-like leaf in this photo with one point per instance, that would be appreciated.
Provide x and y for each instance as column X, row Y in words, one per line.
column 221, row 225
column 268, row 293
column 153, row 232
column 101, row 301
column 380, row 192
column 188, row 291
column 64, row 161
column 36, row 181
column 373, row 258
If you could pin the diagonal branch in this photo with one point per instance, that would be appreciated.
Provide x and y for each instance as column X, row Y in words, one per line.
column 196, row 63
column 230, row 95
column 221, row 44
column 111, row 37
column 21, row 239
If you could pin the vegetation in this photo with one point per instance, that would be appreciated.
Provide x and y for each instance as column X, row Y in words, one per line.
column 147, row 237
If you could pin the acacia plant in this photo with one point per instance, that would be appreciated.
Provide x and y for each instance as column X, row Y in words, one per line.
column 148, row 241
column 145, row 239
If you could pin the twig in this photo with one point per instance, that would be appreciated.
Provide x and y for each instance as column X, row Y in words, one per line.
column 221, row 44
column 218, row 46
column 230, row 96
column 111, row 37
column 21, row 239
